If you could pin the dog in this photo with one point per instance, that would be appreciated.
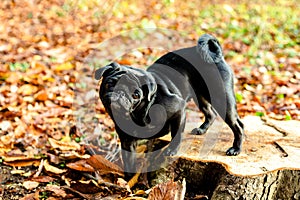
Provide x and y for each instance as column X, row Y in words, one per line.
column 147, row 104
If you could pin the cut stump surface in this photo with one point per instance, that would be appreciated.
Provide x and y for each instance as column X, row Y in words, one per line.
column 268, row 167
column 268, row 145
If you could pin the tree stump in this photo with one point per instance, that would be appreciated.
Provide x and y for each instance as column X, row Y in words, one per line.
column 268, row 167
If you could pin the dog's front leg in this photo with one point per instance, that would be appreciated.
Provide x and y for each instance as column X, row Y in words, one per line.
column 129, row 156
column 177, row 128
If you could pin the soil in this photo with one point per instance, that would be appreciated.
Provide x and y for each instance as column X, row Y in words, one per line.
column 11, row 184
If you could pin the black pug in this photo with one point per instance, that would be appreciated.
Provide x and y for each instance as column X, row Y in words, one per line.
column 149, row 104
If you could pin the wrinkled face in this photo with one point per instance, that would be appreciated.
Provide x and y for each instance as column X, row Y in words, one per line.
column 126, row 91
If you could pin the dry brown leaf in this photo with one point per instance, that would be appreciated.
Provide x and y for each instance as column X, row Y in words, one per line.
column 73, row 155
column 141, row 148
column 42, row 179
column 64, row 146
column 64, row 66
column 27, row 89
column 9, row 113
column 168, row 191
column 53, row 158
column 125, row 62
column 88, row 186
column 29, row 185
column 53, row 169
column 22, row 163
column 102, row 165
column 140, row 192
column 17, row 171
column 81, row 165
column 56, row 190
column 134, row 179
column 20, row 158
column 32, row 196
column 20, row 130
column 41, row 96
column 121, row 182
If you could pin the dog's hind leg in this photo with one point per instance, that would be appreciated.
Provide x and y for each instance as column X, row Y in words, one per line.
column 236, row 125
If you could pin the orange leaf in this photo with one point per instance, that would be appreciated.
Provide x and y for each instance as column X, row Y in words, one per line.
column 41, row 96
column 64, row 146
column 81, row 165
column 101, row 164
column 64, row 66
column 20, row 158
column 53, row 169
column 24, row 163
column 27, row 89
column 169, row 190
column 124, row 62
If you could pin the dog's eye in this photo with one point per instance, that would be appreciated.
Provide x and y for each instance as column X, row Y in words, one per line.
column 136, row 94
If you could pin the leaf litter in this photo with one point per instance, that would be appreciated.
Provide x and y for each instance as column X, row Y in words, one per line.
column 47, row 47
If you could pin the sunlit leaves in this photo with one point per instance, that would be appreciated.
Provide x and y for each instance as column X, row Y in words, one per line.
column 19, row 66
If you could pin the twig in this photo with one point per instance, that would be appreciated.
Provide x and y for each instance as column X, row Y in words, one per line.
column 268, row 122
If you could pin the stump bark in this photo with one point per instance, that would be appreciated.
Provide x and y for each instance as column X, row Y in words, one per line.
column 268, row 167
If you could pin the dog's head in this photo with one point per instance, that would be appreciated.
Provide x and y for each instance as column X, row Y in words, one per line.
column 126, row 91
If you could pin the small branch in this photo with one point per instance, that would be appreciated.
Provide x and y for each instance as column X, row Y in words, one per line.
column 268, row 122
column 280, row 148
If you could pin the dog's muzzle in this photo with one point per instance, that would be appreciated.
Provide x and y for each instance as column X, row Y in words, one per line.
column 119, row 101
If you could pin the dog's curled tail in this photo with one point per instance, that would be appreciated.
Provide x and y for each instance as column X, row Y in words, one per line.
column 209, row 49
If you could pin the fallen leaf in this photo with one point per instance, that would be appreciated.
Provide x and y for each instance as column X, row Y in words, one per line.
column 24, row 163
column 102, row 165
column 56, row 190
column 27, row 90
column 81, row 165
column 8, row 113
column 32, row 196
column 73, row 155
column 125, row 62
column 168, row 191
column 43, row 179
column 5, row 125
column 20, row 158
column 64, row 66
column 17, row 171
column 64, row 146
column 53, row 169
column 41, row 96
column 29, row 185
column 121, row 182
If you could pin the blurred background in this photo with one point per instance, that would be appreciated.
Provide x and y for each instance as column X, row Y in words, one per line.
column 260, row 42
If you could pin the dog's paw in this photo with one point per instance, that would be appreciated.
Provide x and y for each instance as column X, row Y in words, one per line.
column 198, row 131
column 233, row 151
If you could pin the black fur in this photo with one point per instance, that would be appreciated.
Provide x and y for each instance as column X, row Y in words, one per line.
column 149, row 104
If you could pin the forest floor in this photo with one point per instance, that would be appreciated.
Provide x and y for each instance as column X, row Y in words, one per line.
column 52, row 120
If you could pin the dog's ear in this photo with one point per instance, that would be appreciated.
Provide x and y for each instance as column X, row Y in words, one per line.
column 209, row 49
column 106, row 69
